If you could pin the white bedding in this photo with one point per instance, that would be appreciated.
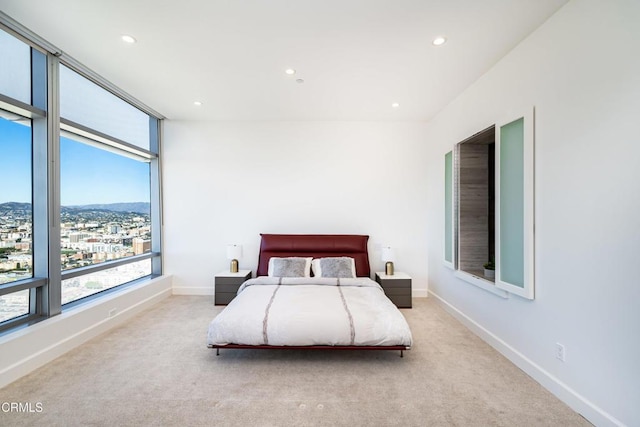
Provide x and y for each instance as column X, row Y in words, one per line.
column 310, row 311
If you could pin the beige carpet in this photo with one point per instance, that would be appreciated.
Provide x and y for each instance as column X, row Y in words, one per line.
column 156, row 370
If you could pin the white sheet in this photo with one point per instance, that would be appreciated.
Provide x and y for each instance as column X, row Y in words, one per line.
column 310, row 311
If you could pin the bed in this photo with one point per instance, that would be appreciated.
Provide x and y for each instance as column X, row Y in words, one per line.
column 311, row 292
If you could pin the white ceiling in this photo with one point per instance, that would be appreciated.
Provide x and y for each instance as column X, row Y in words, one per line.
column 356, row 57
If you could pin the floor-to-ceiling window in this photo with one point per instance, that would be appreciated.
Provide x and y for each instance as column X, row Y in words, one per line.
column 21, row 78
column 16, row 257
column 79, row 183
column 105, row 187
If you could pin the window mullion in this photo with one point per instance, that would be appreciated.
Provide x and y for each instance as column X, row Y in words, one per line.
column 53, row 300
column 39, row 147
column 155, row 135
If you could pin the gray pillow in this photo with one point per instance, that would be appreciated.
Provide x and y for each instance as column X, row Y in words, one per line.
column 337, row 267
column 289, row 267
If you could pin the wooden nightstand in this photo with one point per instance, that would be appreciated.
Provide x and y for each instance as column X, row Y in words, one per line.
column 227, row 284
column 396, row 287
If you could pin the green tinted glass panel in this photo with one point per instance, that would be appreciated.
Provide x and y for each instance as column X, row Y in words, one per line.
column 512, row 203
column 448, row 207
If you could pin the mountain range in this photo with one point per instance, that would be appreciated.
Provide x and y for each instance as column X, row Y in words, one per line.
column 134, row 207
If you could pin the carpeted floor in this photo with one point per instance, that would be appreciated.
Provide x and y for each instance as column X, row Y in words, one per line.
column 157, row 370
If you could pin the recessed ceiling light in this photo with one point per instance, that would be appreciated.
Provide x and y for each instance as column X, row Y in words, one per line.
column 438, row 41
column 128, row 39
column 395, row 105
column 290, row 71
column 197, row 103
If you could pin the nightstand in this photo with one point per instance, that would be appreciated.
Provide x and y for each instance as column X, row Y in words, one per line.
column 227, row 284
column 397, row 288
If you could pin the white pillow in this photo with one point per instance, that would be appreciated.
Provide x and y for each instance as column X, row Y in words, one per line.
column 289, row 267
column 334, row 267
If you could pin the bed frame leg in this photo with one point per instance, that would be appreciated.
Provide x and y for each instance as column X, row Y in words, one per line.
column 217, row 352
column 401, row 353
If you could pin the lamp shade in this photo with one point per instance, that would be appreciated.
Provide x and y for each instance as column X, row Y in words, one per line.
column 387, row 254
column 234, row 251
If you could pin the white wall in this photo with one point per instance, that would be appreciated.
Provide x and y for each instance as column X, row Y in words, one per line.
column 581, row 71
column 227, row 182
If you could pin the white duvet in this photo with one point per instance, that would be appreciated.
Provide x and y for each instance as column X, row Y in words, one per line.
column 310, row 311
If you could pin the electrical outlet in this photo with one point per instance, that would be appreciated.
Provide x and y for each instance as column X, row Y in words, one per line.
column 560, row 353
column 113, row 312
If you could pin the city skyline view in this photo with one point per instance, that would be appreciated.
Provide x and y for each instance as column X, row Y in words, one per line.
column 104, row 215
column 87, row 237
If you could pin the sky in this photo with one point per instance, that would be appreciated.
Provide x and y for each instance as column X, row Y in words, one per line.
column 88, row 175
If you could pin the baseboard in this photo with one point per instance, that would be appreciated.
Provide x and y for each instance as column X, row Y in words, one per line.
column 562, row 391
column 29, row 348
column 419, row 293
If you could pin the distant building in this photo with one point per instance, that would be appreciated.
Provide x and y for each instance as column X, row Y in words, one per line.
column 23, row 246
column 141, row 246
column 77, row 237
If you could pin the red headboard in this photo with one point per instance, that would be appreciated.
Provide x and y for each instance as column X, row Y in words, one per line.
column 314, row 245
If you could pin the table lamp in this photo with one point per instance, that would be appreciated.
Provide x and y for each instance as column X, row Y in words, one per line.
column 233, row 253
column 388, row 257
